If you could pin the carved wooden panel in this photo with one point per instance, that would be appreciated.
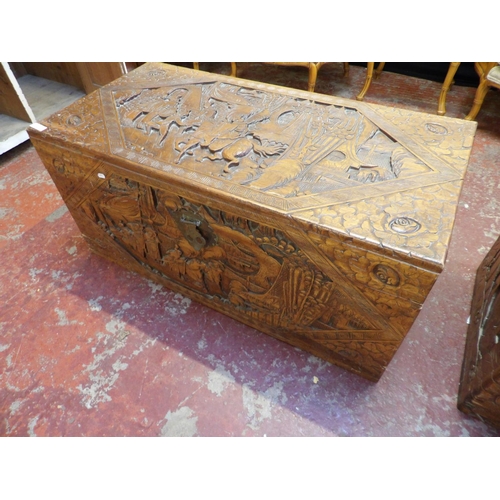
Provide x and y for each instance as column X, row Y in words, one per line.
column 320, row 221
column 479, row 392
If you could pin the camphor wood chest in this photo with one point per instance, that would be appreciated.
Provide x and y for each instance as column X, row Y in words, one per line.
column 321, row 221
column 479, row 391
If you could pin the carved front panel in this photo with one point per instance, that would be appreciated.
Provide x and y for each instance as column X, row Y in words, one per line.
column 276, row 277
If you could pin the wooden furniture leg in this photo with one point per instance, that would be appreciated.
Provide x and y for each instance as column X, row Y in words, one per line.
column 312, row 67
column 369, row 75
column 482, row 69
column 313, row 73
column 379, row 69
column 481, row 92
column 448, row 82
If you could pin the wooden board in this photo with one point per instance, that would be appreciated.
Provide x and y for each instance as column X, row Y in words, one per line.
column 12, row 101
column 61, row 72
column 321, row 221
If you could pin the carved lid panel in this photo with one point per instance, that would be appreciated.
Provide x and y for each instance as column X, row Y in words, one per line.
column 388, row 177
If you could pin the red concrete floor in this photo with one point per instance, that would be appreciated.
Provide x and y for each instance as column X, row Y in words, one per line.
column 90, row 349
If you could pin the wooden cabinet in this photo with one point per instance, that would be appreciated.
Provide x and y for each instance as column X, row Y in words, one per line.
column 32, row 91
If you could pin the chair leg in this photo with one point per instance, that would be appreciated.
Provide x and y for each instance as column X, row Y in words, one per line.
column 478, row 99
column 369, row 74
column 346, row 69
column 379, row 69
column 448, row 82
column 313, row 73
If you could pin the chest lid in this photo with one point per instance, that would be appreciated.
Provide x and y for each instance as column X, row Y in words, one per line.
column 388, row 178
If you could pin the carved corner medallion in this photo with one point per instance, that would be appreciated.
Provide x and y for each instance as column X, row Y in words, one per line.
column 404, row 225
column 386, row 275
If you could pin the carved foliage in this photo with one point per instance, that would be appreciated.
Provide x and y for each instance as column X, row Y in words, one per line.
column 449, row 140
column 396, row 289
column 417, row 221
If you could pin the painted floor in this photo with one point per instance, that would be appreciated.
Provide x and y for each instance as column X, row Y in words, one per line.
column 90, row 349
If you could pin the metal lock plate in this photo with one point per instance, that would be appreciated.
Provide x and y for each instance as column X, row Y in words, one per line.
column 195, row 229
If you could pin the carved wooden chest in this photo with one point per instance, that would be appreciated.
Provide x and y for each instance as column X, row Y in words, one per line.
column 321, row 221
column 479, row 392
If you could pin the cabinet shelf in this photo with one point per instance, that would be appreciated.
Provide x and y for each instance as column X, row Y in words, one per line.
column 45, row 97
column 12, row 132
